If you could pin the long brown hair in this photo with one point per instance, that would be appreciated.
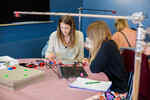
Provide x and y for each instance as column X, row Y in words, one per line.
column 97, row 32
column 69, row 21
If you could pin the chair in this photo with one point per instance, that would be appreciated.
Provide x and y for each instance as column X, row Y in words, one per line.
column 130, row 84
column 44, row 50
column 128, row 56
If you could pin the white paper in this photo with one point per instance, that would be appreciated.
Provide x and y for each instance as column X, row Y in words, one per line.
column 81, row 83
column 11, row 60
column 2, row 66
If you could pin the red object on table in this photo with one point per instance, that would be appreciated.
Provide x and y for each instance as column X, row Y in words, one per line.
column 14, row 67
column 42, row 64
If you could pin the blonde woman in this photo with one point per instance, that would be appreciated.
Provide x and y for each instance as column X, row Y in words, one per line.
column 105, row 56
column 125, row 36
column 66, row 44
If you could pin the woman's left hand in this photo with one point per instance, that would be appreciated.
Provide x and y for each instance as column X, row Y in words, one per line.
column 85, row 61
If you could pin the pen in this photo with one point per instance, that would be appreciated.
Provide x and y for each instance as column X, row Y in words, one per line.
column 92, row 82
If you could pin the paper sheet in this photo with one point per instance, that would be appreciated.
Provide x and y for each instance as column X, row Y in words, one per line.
column 94, row 86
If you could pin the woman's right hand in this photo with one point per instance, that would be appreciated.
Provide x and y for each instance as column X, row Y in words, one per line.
column 51, row 56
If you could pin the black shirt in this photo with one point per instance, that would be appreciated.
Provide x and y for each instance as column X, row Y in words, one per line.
column 109, row 61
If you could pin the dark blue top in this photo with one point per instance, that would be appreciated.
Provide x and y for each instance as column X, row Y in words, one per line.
column 109, row 61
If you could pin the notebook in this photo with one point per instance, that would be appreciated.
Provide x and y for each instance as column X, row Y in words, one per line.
column 89, row 84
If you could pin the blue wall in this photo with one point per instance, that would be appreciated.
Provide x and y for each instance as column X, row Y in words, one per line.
column 122, row 7
column 24, row 41
column 70, row 6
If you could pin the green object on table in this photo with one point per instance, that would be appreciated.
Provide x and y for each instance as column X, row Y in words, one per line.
column 92, row 82
column 6, row 75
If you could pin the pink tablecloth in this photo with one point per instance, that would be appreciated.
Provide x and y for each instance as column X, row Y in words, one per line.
column 51, row 88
